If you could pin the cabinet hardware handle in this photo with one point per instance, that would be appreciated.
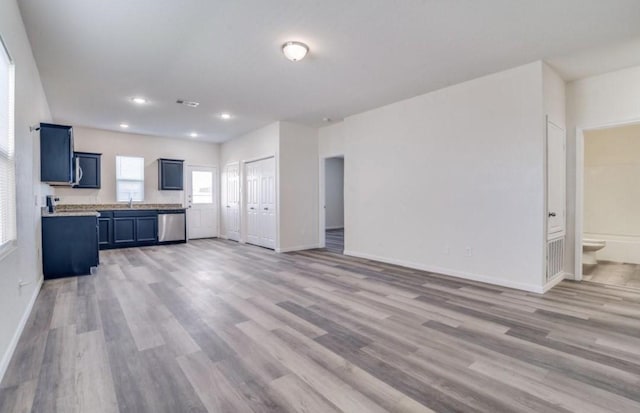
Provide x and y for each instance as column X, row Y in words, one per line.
column 552, row 214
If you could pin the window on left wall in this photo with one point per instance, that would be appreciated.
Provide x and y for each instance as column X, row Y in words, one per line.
column 129, row 178
column 8, row 233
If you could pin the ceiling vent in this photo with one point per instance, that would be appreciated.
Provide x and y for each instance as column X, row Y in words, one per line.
column 187, row 103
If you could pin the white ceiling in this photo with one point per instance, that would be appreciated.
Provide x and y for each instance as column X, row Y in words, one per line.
column 93, row 55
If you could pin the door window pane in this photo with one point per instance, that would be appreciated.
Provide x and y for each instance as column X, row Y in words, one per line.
column 202, row 187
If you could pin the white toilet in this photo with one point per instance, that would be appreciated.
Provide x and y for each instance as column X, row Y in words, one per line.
column 589, row 248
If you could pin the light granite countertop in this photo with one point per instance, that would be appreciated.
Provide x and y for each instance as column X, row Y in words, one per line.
column 70, row 214
column 110, row 207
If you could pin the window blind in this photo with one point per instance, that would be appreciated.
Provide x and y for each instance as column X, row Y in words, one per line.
column 129, row 178
column 7, row 151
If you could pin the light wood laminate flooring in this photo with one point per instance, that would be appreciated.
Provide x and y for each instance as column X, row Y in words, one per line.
column 222, row 327
column 334, row 240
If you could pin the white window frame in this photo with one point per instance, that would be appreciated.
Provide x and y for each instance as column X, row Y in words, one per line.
column 118, row 180
column 9, row 221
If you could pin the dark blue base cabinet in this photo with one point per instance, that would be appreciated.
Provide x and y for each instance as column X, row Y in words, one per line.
column 120, row 229
column 69, row 246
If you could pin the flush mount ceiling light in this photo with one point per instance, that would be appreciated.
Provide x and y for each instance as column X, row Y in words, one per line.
column 225, row 116
column 295, row 51
column 194, row 134
column 139, row 100
column 124, row 125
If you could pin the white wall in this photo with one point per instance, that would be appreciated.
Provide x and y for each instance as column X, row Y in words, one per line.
column 298, row 187
column 110, row 144
column 24, row 263
column 462, row 167
column 334, row 193
column 331, row 140
column 593, row 102
column 261, row 143
column 554, row 96
column 611, row 191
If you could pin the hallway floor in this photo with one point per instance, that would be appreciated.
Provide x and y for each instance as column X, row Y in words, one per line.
column 334, row 240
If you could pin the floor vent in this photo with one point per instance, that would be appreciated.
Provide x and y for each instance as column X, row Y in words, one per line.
column 555, row 257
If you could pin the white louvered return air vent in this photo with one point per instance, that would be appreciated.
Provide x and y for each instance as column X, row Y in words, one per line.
column 555, row 257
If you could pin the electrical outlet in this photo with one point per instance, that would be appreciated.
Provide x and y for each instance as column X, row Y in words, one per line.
column 468, row 251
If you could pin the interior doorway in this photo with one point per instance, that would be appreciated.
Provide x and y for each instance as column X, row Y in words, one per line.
column 202, row 212
column 609, row 250
column 334, row 204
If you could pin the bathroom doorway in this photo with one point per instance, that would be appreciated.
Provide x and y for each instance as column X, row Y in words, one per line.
column 611, row 206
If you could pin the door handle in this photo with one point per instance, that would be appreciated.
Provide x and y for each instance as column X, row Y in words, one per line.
column 552, row 214
column 251, row 208
column 266, row 209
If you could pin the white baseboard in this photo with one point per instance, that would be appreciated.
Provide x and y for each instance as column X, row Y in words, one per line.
column 298, row 248
column 6, row 358
column 553, row 282
column 338, row 227
column 454, row 273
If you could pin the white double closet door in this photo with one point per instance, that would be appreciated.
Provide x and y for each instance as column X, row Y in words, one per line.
column 261, row 202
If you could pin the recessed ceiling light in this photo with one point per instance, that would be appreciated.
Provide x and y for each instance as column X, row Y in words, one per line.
column 139, row 100
column 225, row 115
column 124, row 125
column 194, row 134
column 295, row 51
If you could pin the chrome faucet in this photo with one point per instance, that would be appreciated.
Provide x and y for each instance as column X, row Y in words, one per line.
column 130, row 202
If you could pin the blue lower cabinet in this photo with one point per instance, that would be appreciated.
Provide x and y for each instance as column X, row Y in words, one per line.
column 127, row 228
column 69, row 246
column 124, row 230
column 105, row 232
column 146, row 229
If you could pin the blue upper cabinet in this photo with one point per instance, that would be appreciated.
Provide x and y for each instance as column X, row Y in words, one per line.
column 170, row 174
column 56, row 154
column 89, row 172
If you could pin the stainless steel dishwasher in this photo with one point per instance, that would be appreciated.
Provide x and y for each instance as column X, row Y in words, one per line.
column 172, row 226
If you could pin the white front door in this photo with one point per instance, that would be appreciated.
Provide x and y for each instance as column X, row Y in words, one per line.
column 268, row 203
column 252, row 170
column 556, row 164
column 201, row 202
column 232, row 206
